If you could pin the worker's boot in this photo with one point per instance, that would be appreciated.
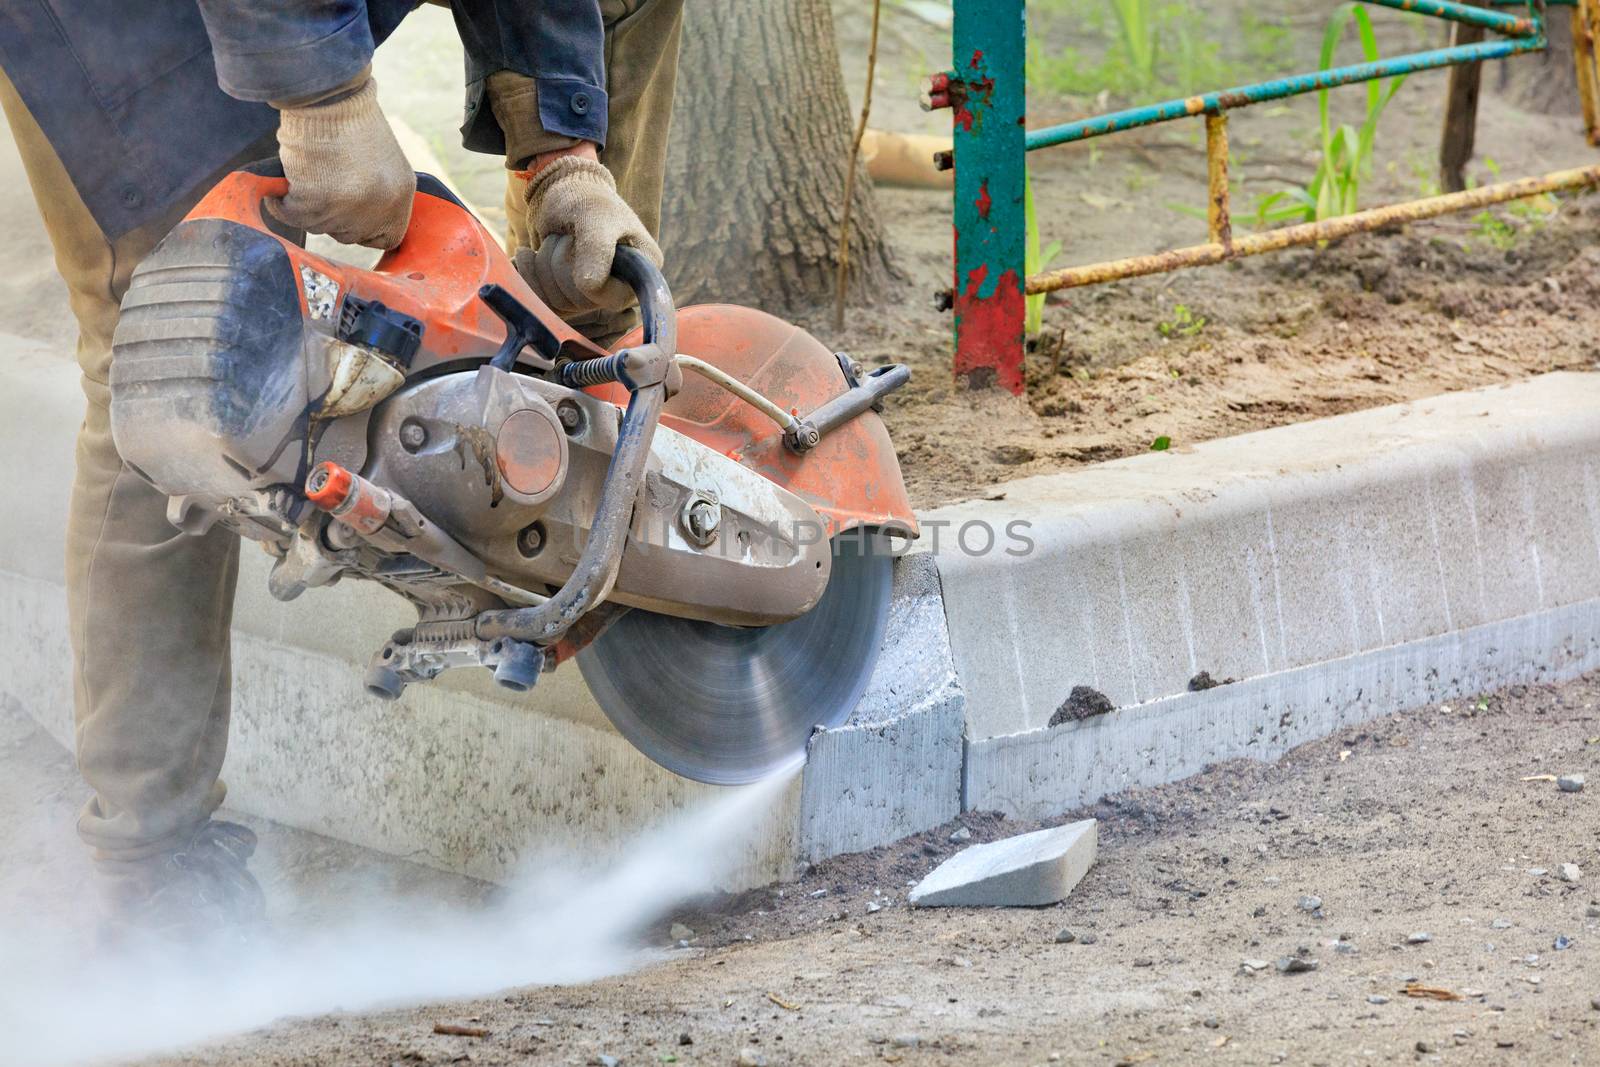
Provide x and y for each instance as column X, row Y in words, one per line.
column 196, row 891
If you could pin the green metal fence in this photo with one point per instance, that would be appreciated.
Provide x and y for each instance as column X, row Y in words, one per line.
column 986, row 94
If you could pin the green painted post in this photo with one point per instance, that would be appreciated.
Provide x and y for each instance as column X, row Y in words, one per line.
column 988, row 102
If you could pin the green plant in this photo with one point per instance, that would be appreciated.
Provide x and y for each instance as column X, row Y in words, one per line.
column 1184, row 323
column 1499, row 233
column 1137, row 34
column 1145, row 48
column 1035, row 259
column 1335, row 188
column 1527, row 217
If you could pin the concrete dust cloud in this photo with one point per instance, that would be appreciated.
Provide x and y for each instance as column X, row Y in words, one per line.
column 564, row 922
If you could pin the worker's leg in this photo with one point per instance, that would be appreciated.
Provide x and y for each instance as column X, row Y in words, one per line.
column 148, row 607
column 641, row 75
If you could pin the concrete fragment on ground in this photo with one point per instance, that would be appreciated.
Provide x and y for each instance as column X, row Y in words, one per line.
column 1029, row 870
column 1570, row 783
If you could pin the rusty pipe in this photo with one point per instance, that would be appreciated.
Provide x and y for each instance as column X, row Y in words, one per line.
column 1310, row 232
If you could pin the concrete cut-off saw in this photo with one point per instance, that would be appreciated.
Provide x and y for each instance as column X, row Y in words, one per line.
column 714, row 547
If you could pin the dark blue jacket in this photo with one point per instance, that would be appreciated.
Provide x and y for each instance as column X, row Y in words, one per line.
column 128, row 90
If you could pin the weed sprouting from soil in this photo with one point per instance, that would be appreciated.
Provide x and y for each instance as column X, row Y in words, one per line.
column 1184, row 323
column 1035, row 259
column 1346, row 151
column 1141, row 49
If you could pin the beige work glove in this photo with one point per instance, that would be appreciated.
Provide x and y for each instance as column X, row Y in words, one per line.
column 575, row 212
column 347, row 176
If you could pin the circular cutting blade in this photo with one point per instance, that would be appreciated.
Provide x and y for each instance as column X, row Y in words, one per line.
column 730, row 705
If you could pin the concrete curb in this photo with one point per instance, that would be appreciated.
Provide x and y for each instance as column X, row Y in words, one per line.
column 1328, row 565
column 1342, row 569
column 1040, row 773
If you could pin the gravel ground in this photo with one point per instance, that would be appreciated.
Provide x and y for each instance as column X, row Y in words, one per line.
column 1411, row 851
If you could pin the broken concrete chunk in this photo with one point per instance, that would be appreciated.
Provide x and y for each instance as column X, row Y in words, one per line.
column 1029, row 870
column 1570, row 783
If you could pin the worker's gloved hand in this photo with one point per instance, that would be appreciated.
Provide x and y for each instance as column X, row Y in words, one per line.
column 347, row 176
column 576, row 197
column 552, row 273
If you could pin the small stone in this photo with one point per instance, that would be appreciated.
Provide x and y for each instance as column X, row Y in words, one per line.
column 906, row 1040
column 1570, row 783
column 1203, row 681
column 603, row 1060
column 1144, row 961
column 1562, row 943
column 1065, row 936
column 1569, row 872
column 1501, row 924
column 1377, row 998
column 1254, row 965
column 1296, row 965
column 680, row 932
column 873, row 906
column 1084, row 702
column 1421, row 937
column 1426, row 1046
column 1592, row 911
column 817, row 894
column 1537, row 872
column 1310, row 903
column 749, row 1057
column 1594, row 1002
column 960, row 836
column 1088, row 939
column 685, row 1039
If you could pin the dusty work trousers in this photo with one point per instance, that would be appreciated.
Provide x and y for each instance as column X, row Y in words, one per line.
column 641, row 73
column 150, row 609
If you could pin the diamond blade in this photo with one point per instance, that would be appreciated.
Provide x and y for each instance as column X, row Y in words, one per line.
column 730, row 705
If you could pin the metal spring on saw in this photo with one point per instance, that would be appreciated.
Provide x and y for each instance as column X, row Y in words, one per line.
column 452, row 632
column 586, row 372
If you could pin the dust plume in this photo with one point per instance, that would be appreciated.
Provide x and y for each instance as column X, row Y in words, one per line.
column 565, row 922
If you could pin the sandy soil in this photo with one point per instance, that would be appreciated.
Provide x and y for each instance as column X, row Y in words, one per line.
column 1416, row 824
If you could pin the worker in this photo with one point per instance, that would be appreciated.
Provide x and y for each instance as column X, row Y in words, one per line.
column 124, row 115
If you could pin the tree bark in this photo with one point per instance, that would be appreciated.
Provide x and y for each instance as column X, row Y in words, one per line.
column 1545, row 83
column 760, row 140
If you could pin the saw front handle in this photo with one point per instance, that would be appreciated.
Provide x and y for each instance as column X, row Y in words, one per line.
column 643, row 369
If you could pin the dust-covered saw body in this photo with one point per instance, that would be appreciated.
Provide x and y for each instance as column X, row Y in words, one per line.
column 711, row 545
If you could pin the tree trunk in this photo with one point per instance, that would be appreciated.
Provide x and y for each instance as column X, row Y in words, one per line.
column 761, row 134
column 1545, row 83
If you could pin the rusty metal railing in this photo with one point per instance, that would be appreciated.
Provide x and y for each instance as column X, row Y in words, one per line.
column 985, row 93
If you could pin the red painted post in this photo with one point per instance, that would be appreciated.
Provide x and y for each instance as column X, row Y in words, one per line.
column 988, row 105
